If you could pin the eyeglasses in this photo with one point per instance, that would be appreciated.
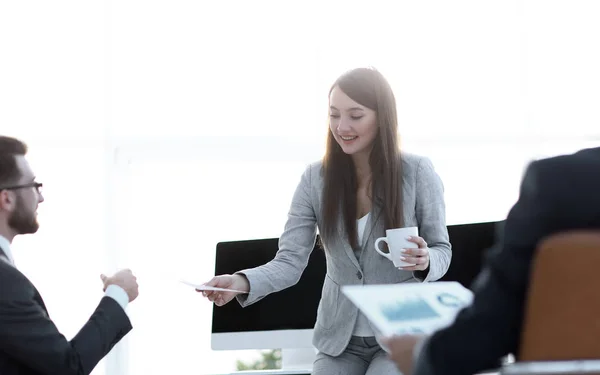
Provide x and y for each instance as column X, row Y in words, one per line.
column 36, row 185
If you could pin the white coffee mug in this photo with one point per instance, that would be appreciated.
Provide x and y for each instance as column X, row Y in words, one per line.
column 397, row 239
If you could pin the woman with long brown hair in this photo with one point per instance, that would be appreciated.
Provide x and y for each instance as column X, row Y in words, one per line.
column 363, row 186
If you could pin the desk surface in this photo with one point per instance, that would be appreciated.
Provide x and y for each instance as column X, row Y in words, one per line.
column 271, row 372
column 274, row 372
column 304, row 372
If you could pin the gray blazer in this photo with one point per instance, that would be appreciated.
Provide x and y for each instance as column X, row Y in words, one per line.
column 423, row 202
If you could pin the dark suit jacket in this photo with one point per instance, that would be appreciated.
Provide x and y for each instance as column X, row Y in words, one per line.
column 30, row 344
column 557, row 194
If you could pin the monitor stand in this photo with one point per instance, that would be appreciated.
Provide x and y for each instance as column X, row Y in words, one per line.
column 301, row 359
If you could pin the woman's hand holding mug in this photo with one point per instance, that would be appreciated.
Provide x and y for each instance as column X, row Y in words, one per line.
column 408, row 251
column 419, row 256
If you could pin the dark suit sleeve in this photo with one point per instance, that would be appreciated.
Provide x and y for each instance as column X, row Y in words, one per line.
column 28, row 336
column 490, row 328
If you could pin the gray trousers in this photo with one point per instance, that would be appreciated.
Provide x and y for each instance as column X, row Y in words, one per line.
column 363, row 356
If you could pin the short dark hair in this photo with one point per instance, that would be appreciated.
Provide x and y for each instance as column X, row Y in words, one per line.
column 9, row 149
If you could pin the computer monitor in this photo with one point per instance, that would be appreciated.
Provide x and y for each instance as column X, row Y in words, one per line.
column 286, row 319
column 280, row 320
column 469, row 245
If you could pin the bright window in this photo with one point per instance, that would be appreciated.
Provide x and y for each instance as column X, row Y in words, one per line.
column 159, row 128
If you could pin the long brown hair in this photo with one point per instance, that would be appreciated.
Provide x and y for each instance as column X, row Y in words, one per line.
column 369, row 88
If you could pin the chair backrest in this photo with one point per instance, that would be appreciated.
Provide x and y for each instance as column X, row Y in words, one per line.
column 562, row 316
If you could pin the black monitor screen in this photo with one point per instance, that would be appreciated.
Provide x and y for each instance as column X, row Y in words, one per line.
column 291, row 308
column 469, row 244
column 296, row 307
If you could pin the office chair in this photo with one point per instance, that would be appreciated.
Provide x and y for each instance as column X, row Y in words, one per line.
column 561, row 327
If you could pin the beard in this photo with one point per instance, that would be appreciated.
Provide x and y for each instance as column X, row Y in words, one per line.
column 22, row 220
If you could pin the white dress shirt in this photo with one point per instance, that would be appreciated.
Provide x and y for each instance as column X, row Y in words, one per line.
column 113, row 291
column 5, row 247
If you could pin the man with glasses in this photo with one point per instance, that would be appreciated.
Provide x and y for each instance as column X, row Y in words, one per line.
column 29, row 341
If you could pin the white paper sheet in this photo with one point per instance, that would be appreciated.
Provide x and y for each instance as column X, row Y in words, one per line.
column 210, row 288
column 404, row 308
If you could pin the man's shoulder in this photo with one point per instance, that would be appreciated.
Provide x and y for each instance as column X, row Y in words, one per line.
column 13, row 283
column 570, row 181
column 580, row 164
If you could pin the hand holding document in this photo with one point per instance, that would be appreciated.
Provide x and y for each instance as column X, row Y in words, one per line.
column 410, row 308
column 202, row 287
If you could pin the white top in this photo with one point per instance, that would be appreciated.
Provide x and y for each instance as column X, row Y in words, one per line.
column 362, row 327
column 361, row 225
column 113, row 291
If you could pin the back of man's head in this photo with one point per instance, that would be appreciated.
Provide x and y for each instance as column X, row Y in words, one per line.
column 9, row 170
